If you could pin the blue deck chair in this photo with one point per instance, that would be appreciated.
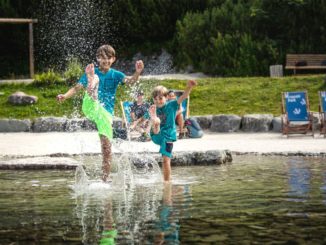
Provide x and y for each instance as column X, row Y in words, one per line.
column 322, row 112
column 185, row 108
column 126, row 112
column 296, row 118
column 184, row 104
column 127, row 120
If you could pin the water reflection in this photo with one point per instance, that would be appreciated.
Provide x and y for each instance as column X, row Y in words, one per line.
column 299, row 179
column 251, row 201
column 167, row 223
column 110, row 231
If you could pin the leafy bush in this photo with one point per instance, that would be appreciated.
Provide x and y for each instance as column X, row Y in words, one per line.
column 48, row 78
column 73, row 72
column 219, row 42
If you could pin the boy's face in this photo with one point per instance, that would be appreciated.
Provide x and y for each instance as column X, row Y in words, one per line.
column 160, row 100
column 171, row 96
column 140, row 97
column 105, row 62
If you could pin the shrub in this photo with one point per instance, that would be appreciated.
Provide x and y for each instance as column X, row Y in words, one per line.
column 48, row 78
column 73, row 72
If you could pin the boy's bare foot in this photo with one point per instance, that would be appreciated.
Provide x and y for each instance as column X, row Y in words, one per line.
column 106, row 178
column 155, row 120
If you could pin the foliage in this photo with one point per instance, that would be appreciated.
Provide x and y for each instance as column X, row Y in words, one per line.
column 219, row 41
column 236, row 95
column 220, row 37
column 73, row 72
column 49, row 77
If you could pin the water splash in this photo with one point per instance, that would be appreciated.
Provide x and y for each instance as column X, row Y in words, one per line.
column 127, row 172
column 71, row 28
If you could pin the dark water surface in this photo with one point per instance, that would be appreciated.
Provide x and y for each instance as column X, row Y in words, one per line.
column 254, row 200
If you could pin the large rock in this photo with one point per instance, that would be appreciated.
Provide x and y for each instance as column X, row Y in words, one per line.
column 89, row 125
column 15, row 125
column 198, row 158
column 74, row 124
column 277, row 124
column 256, row 122
column 225, row 123
column 20, row 98
column 212, row 157
column 204, row 121
column 48, row 124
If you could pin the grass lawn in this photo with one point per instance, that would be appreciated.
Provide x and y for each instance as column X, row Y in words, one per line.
column 245, row 95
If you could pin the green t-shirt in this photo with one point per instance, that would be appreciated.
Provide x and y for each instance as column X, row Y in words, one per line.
column 167, row 115
column 108, row 85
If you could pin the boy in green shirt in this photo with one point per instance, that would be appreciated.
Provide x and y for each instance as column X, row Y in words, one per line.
column 100, row 85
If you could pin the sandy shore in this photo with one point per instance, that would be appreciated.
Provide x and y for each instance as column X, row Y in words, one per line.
column 42, row 144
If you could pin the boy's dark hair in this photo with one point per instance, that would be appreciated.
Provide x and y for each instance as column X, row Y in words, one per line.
column 171, row 91
column 139, row 92
column 160, row 91
column 105, row 51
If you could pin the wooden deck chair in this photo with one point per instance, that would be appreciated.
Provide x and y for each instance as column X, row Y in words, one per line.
column 185, row 103
column 296, row 118
column 127, row 120
column 126, row 113
column 322, row 112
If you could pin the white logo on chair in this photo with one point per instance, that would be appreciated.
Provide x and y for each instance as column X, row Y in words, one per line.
column 303, row 102
column 296, row 111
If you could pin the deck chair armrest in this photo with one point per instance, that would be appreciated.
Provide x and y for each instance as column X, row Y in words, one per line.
column 311, row 116
column 284, row 118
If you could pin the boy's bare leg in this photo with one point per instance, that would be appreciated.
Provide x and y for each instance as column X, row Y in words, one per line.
column 166, row 168
column 107, row 156
column 154, row 119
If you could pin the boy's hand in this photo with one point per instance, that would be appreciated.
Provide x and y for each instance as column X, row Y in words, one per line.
column 192, row 83
column 139, row 66
column 61, row 97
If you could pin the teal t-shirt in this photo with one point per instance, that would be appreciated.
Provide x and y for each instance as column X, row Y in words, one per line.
column 167, row 115
column 107, row 86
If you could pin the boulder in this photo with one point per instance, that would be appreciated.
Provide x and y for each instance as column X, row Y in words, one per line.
column 89, row 125
column 20, row 98
column 48, row 124
column 15, row 125
column 212, row 157
column 256, row 122
column 277, row 124
column 74, row 124
column 204, row 121
column 225, row 123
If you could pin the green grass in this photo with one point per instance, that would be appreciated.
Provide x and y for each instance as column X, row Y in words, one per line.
column 212, row 96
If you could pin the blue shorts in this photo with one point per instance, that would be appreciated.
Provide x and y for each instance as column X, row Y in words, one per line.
column 165, row 147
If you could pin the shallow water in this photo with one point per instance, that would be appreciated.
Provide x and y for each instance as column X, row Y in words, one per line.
column 254, row 200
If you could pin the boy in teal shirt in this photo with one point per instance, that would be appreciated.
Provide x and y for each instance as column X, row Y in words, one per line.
column 163, row 114
column 98, row 104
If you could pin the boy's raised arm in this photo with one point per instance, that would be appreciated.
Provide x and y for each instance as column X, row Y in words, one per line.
column 190, row 85
column 134, row 78
column 71, row 92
